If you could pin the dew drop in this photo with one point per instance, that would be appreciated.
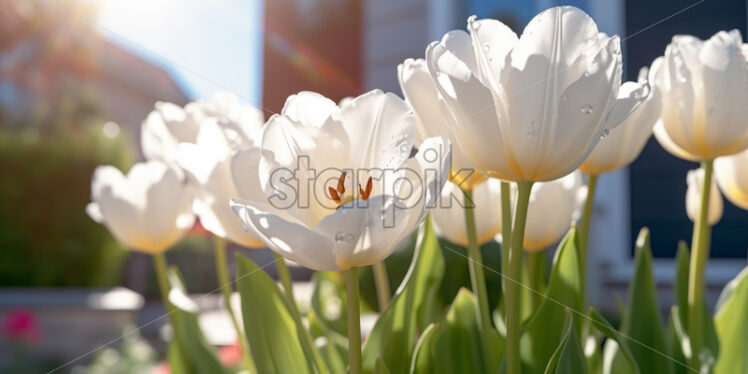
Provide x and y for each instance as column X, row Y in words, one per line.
column 343, row 237
column 534, row 130
column 486, row 47
column 563, row 97
column 606, row 132
column 586, row 109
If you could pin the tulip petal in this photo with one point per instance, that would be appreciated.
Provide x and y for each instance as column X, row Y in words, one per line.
column 380, row 129
column 285, row 236
column 309, row 108
column 477, row 130
column 365, row 232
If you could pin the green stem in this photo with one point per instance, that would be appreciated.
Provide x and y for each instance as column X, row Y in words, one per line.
column 159, row 261
column 699, row 259
column 382, row 283
column 224, row 282
column 584, row 230
column 536, row 264
column 512, row 303
column 307, row 343
column 506, row 224
column 477, row 278
column 354, row 321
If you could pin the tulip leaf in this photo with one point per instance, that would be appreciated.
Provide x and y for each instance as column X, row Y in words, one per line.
column 568, row 358
column 731, row 320
column 680, row 346
column 542, row 336
column 194, row 352
column 270, row 329
column 177, row 364
column 642, row 323
column 602, row 325
column 454, row 345
column 710, row 349
column 393, row 337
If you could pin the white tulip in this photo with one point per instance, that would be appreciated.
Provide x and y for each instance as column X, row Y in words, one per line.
column 695, row 181
column 147, row 210
column 208, row 164
column 704, row 91
column 625, row 142
column 731, row 173
column 553, row 206
column 337, row 193
column 169, row 125
column 449, row 216
column 529, row 108
column 433, row 118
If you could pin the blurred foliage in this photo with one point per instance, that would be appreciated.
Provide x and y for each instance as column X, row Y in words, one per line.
column 45, row 235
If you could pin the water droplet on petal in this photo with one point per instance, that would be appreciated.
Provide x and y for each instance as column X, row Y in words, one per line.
column 534, row 130
column 486, row 47
column 563, row 98
column 606, row 132
column 341, row 238
column 586, row 109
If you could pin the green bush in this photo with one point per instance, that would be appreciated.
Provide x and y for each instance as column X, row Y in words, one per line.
column 46, row 238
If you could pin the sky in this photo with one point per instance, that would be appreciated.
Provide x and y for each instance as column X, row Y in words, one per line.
column 207, row 45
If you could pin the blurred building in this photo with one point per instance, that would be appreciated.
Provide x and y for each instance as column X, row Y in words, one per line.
column 52, row 61
column 650, row 193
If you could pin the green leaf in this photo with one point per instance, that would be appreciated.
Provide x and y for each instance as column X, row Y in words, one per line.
column 381, row 367
column 177, row 365
column 197, row 355
column 680, row 347
column 642, row 323
column 270, row 329
column 614, row 337
column 394, row 335
column 329, row 300
column 681, row 280
column 541, row 336
column 568, row 357
column 333, row 346
column 731, row 320
column 454, row 345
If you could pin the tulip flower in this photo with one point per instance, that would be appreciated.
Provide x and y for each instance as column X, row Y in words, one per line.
column 342, row 186
column 147, row 210
column 731, row 173
column 702, row 85
column 169, row 124
column 695, row 181
column 623, row 144
column 449, row 216
column 701, row 82
column 553, row 206
column 528, row 109
column 339, row 219
column 207, row 164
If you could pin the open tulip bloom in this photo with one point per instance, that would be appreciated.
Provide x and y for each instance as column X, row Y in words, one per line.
column 342, row 187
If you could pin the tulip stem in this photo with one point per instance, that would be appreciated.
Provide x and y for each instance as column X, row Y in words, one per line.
column 477, row 277
column 307, row 343
column 699, row 259
column 506, row 225
column 512, row 302
column 224, row 283
column 354, row 321
column 584, row 229
column 382, row 283
column 159, row 262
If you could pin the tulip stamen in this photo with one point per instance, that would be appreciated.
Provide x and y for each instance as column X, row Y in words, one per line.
column 338, row 193
column 365, row 193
